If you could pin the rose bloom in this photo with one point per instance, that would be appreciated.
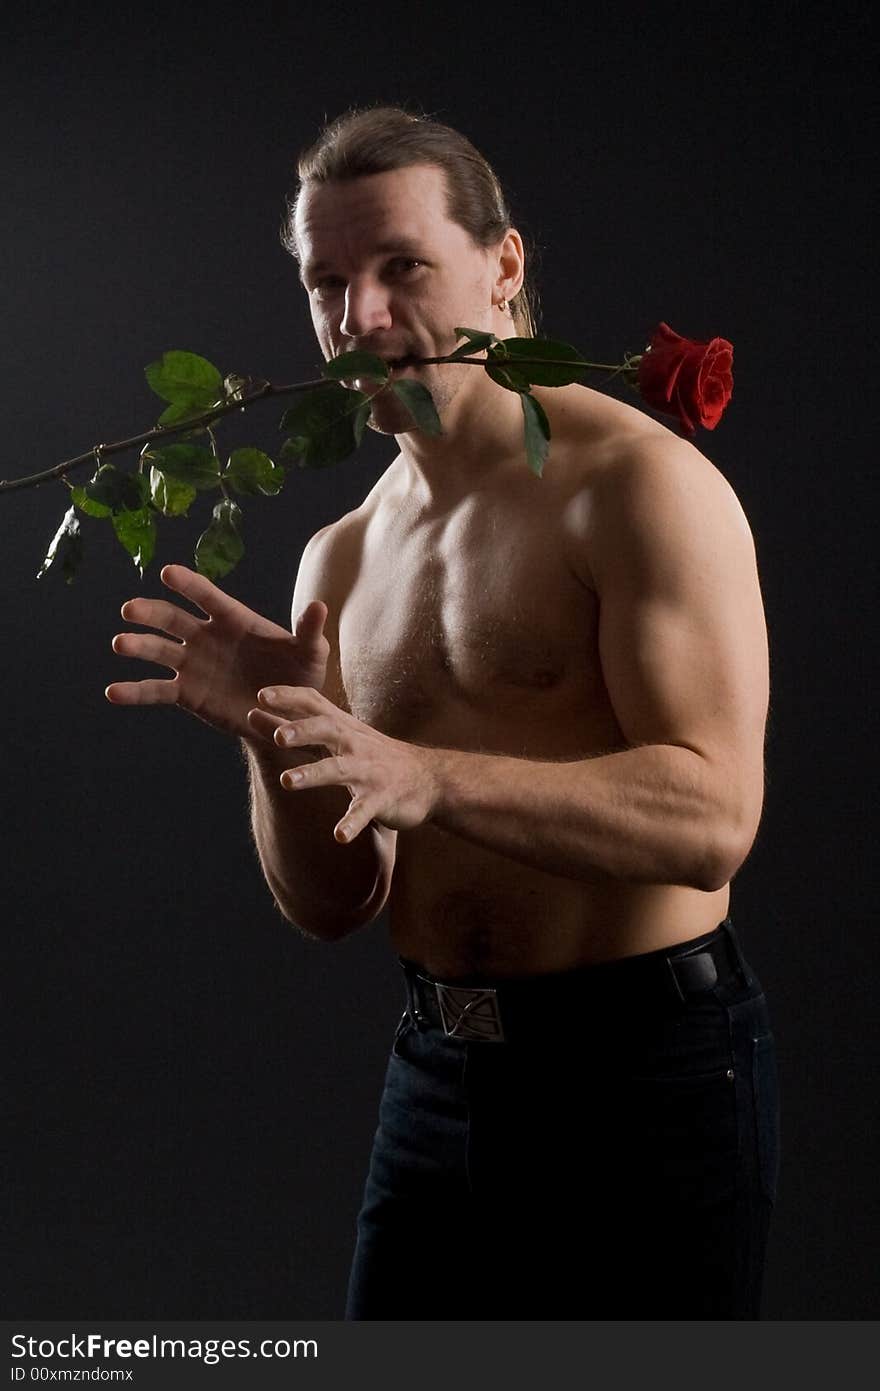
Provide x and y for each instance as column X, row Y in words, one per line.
column 689, row 379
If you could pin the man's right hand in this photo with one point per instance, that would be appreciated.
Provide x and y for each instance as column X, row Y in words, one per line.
column 221, row 661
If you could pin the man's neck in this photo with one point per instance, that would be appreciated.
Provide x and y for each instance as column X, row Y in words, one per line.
column 482, row 440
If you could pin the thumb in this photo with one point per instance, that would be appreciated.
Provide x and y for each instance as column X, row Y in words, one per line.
column 312, row 619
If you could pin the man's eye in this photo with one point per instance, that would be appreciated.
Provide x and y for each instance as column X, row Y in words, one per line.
column 328, row 284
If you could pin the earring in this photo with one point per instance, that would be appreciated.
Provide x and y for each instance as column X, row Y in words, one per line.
column 503, row 306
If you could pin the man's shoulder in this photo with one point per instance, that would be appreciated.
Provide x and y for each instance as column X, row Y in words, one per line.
column 333, row 535
column 330, row 558
column 334, row 551
column 610, row 441
column 659, row 494
column 591, row 432
column 628, row 471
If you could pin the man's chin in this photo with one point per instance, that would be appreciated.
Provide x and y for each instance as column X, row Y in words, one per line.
column 389, row 416
column 387, row 422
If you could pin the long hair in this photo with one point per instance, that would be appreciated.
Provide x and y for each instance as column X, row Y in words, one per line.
column 372, row 140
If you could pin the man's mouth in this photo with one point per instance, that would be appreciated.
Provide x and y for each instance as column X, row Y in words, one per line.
column 396, row 366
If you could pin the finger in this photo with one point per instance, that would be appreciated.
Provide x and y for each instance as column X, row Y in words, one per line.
column 255, row 732
column 152, row 692
column 264, row 723
column 353, row 822
column 158, row 613
column 295, row 701
column 317, row 729
column 199, row 589
column 325, row 772
column 149, row 648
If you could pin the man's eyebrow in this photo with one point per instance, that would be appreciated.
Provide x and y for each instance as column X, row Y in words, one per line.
column 400, row 246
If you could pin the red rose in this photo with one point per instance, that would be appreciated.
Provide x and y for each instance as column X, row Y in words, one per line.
column 691, row 380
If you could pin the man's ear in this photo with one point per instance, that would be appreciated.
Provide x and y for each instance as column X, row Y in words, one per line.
column 511, row 265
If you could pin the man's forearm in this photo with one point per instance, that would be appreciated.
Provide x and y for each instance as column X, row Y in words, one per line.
column 649, row 814
column 325, row 888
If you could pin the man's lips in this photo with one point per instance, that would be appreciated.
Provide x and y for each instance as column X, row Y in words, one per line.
column 394, row 361
column 396, row 365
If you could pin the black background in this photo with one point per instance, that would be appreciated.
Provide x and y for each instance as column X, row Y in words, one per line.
column 190, row 1086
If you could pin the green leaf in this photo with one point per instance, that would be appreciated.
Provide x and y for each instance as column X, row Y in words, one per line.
column 295, row 448
column 513, row 378
column 169, row 495
column 181, row 377
column 111, row 490
column 537, row 433
column 65, row 547
column 182, row 410
column 194, row 464
column 420, row 404
column 251, row 471
column 356, row 364
column 220, row 547
column 477, row 340
column 80, row 498
column 543, row 374
column 137, row 532
column 327, row 422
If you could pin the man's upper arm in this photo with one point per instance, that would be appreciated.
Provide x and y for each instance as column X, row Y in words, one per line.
column 682, row 634
column 326, row 572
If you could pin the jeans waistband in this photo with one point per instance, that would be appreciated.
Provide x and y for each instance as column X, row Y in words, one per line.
column 473, row 1009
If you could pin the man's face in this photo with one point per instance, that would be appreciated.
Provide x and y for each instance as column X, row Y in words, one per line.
column 388, row 272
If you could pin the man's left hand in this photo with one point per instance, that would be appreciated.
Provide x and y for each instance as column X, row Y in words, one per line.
column 391, row 782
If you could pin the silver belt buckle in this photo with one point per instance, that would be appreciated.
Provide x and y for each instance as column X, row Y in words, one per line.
column 470, row 1012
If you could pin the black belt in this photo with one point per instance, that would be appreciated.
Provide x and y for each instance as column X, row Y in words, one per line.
column 473, row 1010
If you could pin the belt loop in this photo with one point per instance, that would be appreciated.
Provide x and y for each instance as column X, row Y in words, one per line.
column 411, row 1005
column 737, row 950
column 676, row 983
column 410, row 977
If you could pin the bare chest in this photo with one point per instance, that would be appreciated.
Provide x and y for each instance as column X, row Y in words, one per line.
column 475, row 629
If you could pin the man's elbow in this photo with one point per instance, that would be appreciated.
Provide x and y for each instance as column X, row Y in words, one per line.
column 315, row 929
column 727, row 855
column 332, row 924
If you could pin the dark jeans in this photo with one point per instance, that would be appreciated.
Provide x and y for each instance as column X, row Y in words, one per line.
column 619, row 1161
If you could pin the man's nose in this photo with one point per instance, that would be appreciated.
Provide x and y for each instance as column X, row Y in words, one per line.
column 366, row 309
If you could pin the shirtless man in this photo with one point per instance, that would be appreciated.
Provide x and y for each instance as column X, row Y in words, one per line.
column 528, row 714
